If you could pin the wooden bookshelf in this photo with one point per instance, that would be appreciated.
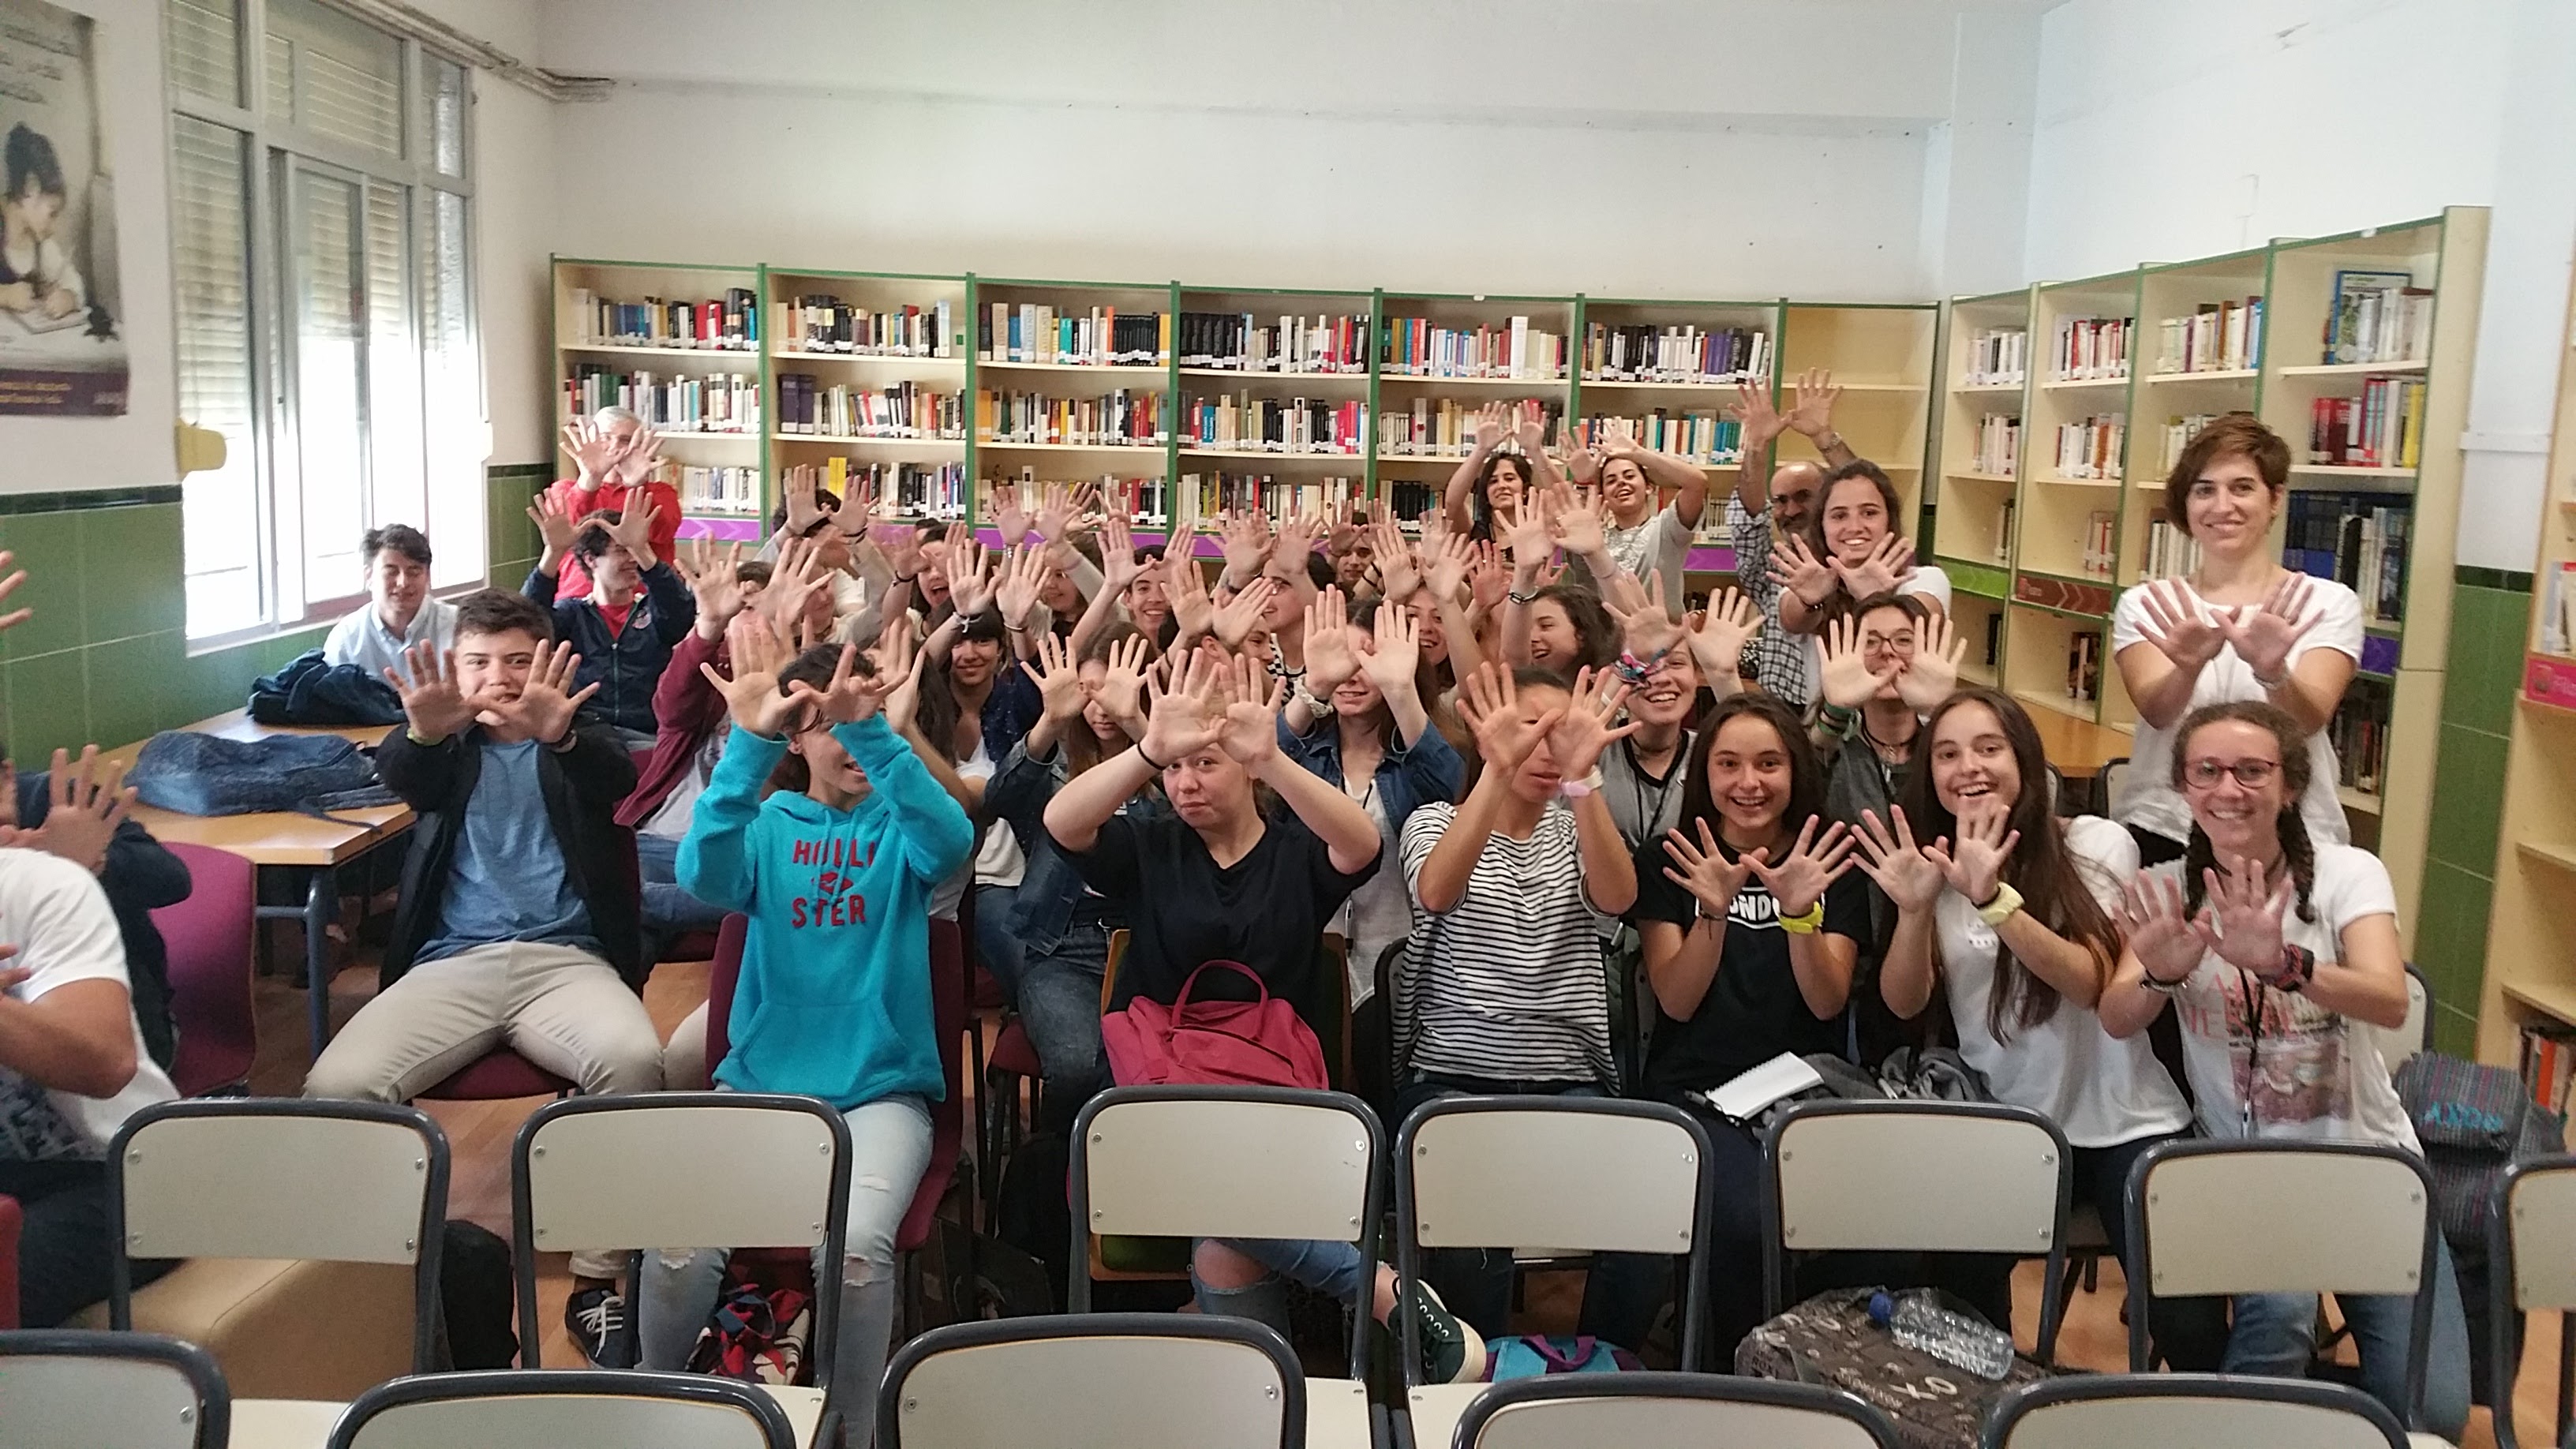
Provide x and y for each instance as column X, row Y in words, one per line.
column 1423, row 421
column 2531, row 933
column 1238, row 433
column 1132, row 467
column 1881, row 355
column 704, row 462
column 2182, row 382
column 918, row 466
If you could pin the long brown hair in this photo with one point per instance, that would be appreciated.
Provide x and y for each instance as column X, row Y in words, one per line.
column 1806, row 775
column 2040, row 867
column 2298, row 853
column 1081, row 746
column 1840, row 602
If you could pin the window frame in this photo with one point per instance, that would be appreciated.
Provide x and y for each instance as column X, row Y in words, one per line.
column 273, row 147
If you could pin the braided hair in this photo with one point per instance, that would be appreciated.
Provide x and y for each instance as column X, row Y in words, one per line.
column 2298, row 852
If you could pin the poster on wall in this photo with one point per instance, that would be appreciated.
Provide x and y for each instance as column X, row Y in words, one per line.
column 62, row 345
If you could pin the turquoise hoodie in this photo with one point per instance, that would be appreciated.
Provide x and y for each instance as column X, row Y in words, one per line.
column 834, row 1000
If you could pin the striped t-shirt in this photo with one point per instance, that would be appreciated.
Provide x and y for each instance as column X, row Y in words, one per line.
column 1507, row 984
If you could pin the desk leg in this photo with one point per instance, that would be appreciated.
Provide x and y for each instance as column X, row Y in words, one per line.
column 321, row 903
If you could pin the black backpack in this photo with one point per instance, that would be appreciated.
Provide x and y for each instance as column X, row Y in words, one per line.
column 201, row 774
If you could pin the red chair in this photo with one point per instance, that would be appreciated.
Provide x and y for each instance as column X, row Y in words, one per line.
column 11, row 1220
column 210, row 937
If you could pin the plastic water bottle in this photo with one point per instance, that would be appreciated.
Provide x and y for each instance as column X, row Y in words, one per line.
column 1918, row 1322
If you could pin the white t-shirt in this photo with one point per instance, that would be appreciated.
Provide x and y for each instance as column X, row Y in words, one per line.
column 2148, row 798
column 1661, row 542
column 2100, row 1090
column 363, row 640
column 2316, row 1075
column 998, row 861
column 56, row 916
column 1927, row 581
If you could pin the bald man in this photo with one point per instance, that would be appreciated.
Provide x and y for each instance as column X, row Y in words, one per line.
column 1765, row 505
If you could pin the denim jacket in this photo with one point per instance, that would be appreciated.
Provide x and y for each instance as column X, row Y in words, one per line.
column 1017, row 795
column 1408, row 776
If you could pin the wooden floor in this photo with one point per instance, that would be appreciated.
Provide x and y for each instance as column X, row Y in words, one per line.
column 479, row 1135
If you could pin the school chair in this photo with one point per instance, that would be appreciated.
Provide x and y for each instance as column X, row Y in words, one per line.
column 2191, row 1202
column 210, row 936
column 1916, row 1177
column 563, row 1409
column 1175, row 1163
column 1580, row 1174
column 310, row 1233
column 2416, row 1034
column 85, row 1389
column 1095, row 1381
column 2531, row 1263
column 637, row 1174
column 2203, row 1411
column 1669, row 1411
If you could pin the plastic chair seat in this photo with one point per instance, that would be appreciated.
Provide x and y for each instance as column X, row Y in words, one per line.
column 1337, row 1414
column 1012, row 1052
column 499, row 1075
column 803, row 1408
column 1432, row 1412
column 283, row 1423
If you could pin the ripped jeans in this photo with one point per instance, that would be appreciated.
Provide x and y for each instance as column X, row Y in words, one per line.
column 889, row 1150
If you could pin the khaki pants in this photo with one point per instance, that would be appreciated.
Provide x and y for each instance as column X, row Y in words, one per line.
column 563, row 1009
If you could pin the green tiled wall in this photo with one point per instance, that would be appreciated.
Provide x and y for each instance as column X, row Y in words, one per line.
column 2490, row 612
column 511, row 536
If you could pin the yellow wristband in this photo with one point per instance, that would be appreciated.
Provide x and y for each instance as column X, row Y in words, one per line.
column 2006, row 901
column 1808, row 922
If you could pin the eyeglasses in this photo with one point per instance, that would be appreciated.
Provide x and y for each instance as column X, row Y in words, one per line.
column 2204, row 774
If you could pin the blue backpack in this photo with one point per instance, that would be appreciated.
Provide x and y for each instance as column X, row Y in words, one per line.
column 200, row 774
column 1532, row 1355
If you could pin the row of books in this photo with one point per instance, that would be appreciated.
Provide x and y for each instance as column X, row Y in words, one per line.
column 1416, row 347
column 719, row 490
column 1440, row 428
column 2217, row 337
column 1998, row 357
column 1704, row 437
column 910, row 490
column 902, row 410
column 825, row 323
column 2356, row 539
column 2548, row 1064
column 2092, row 348
column 1270, row 425
column 2379, row 317
column 1205, row 495
column 1144, row 500
column 1674, row 354
column 720, row 402
column 1124, row 417
column 2084, row 666
column 2002, row 550
column 2091, row 448
column 2382, row 428
column 1238, row 341
column 729, row 322
column 2558, row 607
column 2180, row 429
column 2101, row 554
column 2359, row 734
column 1998, row 446
column 1098, row 337
column 2171, row 552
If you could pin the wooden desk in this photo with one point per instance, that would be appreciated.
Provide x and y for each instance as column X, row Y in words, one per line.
column 286, row 840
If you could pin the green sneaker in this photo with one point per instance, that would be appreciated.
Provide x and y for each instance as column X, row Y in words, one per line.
column 1452, row 1353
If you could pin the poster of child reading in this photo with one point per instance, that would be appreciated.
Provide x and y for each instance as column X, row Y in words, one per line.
column 62, row 348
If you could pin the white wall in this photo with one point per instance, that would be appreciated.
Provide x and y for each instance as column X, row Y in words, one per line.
column 136, row 450
column 2190, row 127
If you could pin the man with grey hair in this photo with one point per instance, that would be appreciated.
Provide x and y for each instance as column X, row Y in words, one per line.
column 616, row 454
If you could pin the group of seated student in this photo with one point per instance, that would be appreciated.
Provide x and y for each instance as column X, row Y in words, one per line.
column 1504, row 743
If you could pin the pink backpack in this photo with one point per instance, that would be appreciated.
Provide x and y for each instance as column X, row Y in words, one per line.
column 1213, row 1043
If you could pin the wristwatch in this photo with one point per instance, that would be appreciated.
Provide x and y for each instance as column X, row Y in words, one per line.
column 1577, row 789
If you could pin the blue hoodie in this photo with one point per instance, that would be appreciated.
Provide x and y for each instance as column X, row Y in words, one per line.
column 834, row 1000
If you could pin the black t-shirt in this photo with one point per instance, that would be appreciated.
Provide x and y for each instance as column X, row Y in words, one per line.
column 1752, row 1011
column 1266, row 910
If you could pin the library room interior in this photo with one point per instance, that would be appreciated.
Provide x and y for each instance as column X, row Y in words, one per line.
column 1273, row 723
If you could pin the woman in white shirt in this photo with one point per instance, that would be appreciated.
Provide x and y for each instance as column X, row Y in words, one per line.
column 1852, row 548
column 2277, row 954
column 2009, row 908
column 2240, row 626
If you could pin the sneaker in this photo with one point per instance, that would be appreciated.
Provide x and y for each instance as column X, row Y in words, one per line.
column 596, row 1319
column 1452, row 1353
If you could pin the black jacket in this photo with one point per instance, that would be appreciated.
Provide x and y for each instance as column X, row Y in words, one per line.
column 140, row 877
column 626, row 665
column 582, row 786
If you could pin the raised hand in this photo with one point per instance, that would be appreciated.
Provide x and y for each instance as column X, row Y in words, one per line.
column 1813, row 411
column 902, row 545
column 1795, row 568
column 1398, row 570
column 2177, row 626
column 1234, row 622
column 1719, row 633
column 1185, row 585
column 1639, row 609
column 1183, row 719
column 1574, row 521
column 640, row 457
column 1249, row 733
column 1493, row 422
column 1058, row 678
column 1489, row 703
column 83, row 811
column 1295, row 543
column 1531, row 433
column 1063, row 511
column 1582, row 463
column 1009, row 514
column 1704, row 870
column 1396, row 654
column 850, row 696
column 1118, row 565
column 1762, row 421
column 432, row 702
column 797, row 488
column 900, row 659
column 547, row 702
column 1847, row 681
column 2158, row 928
column 1931, row 672
column 1974, row 866
column 592, row 450
column 1910, row 878
column 972, row 576
column 1815, row 862
column 1526, row 533
column 1889, row 564
column 2265, row 634
column 1583, row 729
column 2242, row 921
column 1445, row 562
column 553, row 518
column 1329, row 657
column 752, row 696
column 1487, row 579
column 634, row 529
column 1023, row 571
column 715, row 578
column 794, row 580
column 1122, row 683
column 1246, row 541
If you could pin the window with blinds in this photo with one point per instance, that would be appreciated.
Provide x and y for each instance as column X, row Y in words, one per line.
column 321, row 192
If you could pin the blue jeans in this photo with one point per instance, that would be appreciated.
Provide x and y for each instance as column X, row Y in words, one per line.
column 1059, row 1003
column 668, row 910
column 889, row 1151
column 1332, row 1269
column 1476, row 1283
column 2276, row 1334
column 995, row 941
